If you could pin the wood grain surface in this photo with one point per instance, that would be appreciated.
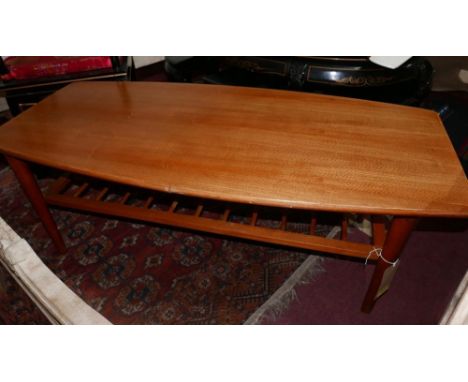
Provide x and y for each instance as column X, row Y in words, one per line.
column 268, row 147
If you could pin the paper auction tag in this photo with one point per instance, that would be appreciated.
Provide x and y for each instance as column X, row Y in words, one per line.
column 387, row 279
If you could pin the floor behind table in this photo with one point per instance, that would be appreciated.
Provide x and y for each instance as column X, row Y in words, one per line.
column 432, row 265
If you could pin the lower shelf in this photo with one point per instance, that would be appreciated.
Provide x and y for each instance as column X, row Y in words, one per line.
column 205, row 215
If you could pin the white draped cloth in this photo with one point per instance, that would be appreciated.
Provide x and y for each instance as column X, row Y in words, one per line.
column 56, row 301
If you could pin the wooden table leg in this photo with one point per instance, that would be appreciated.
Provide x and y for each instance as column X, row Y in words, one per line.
column 33, row 192
column 400, row 230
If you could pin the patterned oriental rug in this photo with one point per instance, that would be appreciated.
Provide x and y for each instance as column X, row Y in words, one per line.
column 134, row 273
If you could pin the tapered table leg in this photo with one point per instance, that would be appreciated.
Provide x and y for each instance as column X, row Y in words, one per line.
column 33, row 192
column 395, row 241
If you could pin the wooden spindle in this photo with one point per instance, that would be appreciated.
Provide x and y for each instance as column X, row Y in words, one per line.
column 254, row 218
column 125, row 198
column 284, row 221
column 80, row 190
column 344, row 228
column 148, row 202
column 199, row 210
column 59, row 185
column 102, row 193
column 173, row 206
column 313, row 225
column 226, row 214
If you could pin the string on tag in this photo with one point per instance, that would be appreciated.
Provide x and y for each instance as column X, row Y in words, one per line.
column 378, row 252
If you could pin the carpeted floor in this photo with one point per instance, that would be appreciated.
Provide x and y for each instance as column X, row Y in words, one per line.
column 146, row 274
column 433, row 264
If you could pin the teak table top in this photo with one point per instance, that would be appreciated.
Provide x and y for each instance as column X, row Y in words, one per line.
column 267, row 147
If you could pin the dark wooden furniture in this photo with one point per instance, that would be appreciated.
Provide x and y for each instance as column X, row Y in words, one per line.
column 25, row 91
column 242, row 148
column 355, row 77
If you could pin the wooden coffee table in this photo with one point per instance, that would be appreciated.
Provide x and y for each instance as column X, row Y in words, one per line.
column 253, row 150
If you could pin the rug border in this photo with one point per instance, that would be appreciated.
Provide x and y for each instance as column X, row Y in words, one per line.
column 280, row 300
